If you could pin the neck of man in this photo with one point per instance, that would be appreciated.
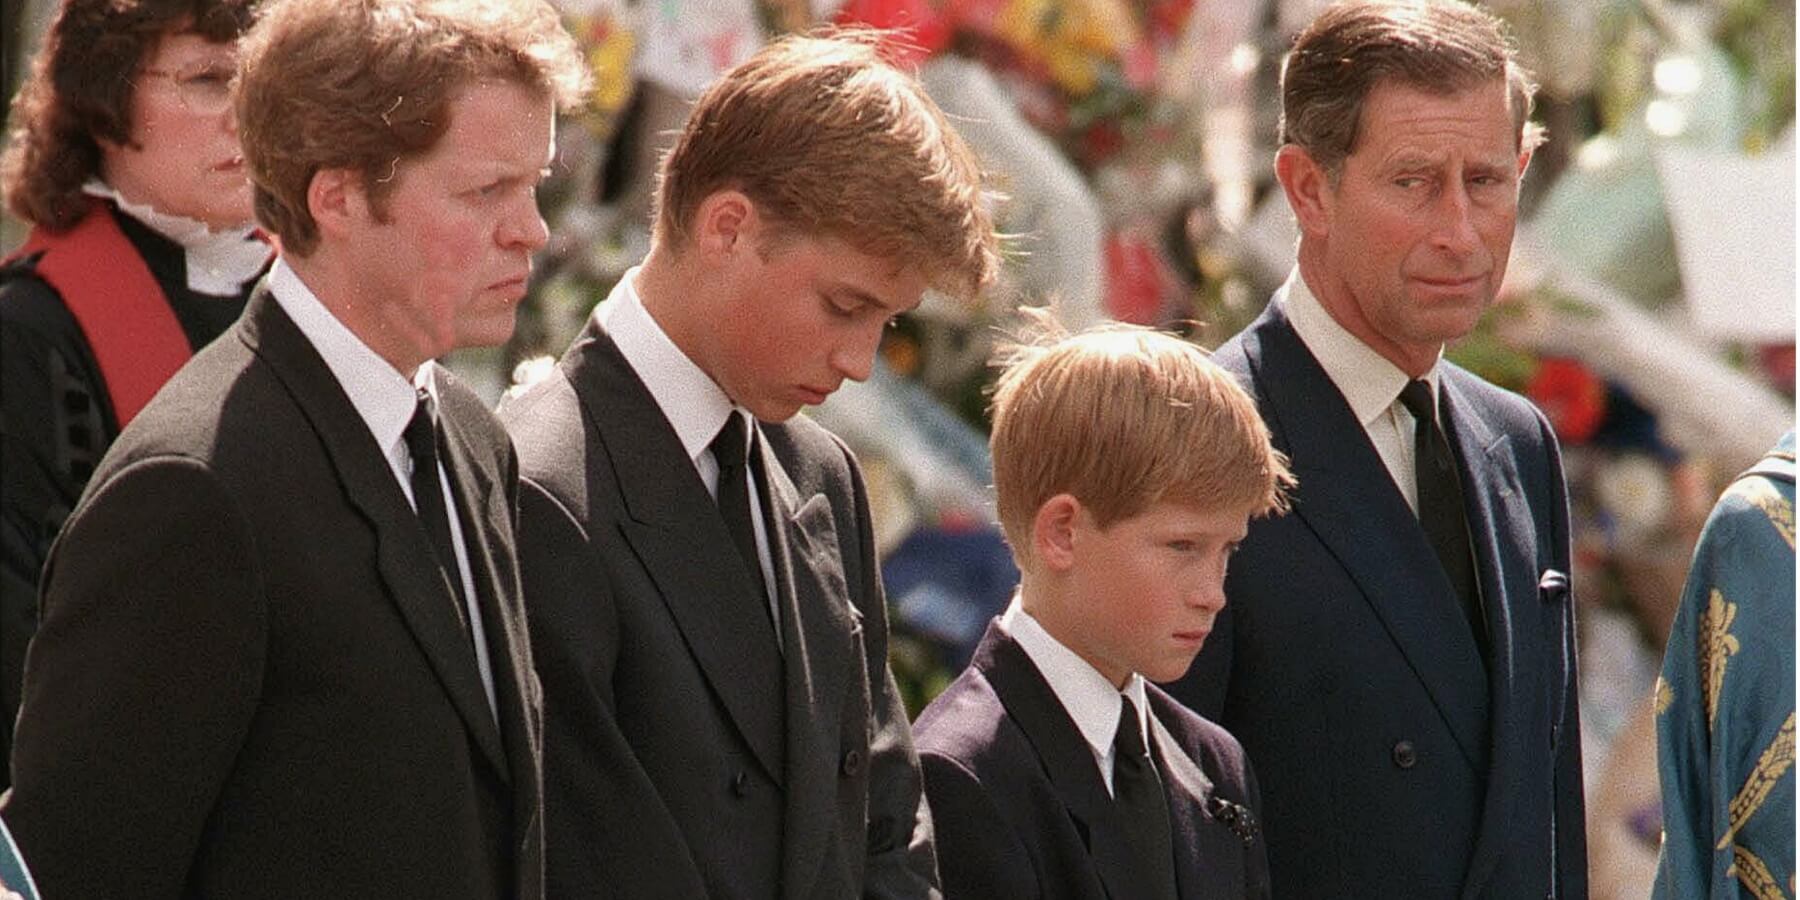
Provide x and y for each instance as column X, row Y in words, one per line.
column 678, row 296
column 1335, row 296
column 338, row 292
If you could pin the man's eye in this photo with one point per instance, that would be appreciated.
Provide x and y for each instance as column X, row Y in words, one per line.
column 209, row 78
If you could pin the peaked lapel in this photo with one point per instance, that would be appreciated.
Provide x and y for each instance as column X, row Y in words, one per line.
column 1349, row 501
column 405, row 558
column 1201, row 841
column 1067, row 760
column 673, row 526
column 816, row 622
column 1496, row 506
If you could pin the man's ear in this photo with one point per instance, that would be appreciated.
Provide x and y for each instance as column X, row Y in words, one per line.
column 1053, row 532
column 726, row 222
column 1524, row 163
column 337, row 201
column 1308, row 188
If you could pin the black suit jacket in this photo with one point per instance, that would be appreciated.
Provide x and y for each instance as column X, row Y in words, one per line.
column 1022, row 811
column 1395, row 764
column 251, row 679
column 685, row 755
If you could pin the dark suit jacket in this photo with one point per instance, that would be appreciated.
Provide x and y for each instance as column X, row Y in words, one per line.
column 1392, row 763
column 1022, row 811
column 251, row 679
column 685, row 755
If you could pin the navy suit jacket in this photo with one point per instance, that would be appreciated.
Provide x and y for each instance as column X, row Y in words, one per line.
column 1022, row 812
column 686, row 756
column 1395, row 764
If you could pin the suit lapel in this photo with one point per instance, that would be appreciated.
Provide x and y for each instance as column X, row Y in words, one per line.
column 1067, row 760
column 1349, row 500
column 403, row 551
column 816, row 617
column 673, row 527
column 1496, row 507
column 1201, row 842
column 481, row 505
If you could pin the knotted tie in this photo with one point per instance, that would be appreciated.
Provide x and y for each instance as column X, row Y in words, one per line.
column 1441, row 504
column 428, row 495
column 1138, row 792
column 730, row 448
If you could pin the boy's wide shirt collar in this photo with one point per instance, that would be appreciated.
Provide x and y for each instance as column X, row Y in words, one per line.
column 1085, row 694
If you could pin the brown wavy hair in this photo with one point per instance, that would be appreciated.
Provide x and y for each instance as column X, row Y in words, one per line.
column 79, row 93
column 367, row 85
column 1441, row 46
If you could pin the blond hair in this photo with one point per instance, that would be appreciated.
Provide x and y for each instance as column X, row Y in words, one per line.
column 829, row 139
column 1123, row 417
column 367, row 85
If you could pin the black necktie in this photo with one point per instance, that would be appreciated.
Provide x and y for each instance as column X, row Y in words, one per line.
column 730, row 448
column 1139, row 795
column 428, row 495
column 1441, row 504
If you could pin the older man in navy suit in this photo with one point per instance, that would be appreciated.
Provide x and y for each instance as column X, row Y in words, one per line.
column 1397, row 655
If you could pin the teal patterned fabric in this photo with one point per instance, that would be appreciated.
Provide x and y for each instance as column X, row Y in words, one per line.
column 1725, row 701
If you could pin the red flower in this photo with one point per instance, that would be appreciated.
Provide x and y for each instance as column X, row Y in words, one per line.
column 1571, row 396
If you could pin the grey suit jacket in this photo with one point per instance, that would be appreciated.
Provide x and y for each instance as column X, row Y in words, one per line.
column 251, row 679
column 686, row 755
column 1394, row 761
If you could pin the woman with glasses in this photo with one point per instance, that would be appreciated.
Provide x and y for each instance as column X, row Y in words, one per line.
column 123, row 157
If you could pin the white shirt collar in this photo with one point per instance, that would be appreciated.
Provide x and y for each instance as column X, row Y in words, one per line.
column 219, row 263
column 1369, row 382
column 381, row 395
column 693, row 403
column 1088, row 697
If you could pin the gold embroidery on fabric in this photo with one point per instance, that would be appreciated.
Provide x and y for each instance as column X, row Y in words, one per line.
column 1716, row 643
column 1755, row 876
column 1664, row 696
column 1774, row 763
column 1760, row 493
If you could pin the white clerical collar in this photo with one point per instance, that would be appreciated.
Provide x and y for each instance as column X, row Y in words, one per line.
column 1089, row 698
column 383, row 397
column 219, row 263
column 693, row 403
column 1369, row 382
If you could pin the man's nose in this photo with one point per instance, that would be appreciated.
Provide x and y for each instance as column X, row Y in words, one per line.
column 1454, row 221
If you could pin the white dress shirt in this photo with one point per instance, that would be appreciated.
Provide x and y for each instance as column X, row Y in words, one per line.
column 1086, row 695
column 693, row 403
column 385, row 401
column 1369, row 382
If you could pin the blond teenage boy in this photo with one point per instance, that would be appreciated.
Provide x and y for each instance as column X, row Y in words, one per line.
column 1127, row 467
column 699, row 569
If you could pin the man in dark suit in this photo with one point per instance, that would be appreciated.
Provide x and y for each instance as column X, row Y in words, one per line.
column 283, row 651
column 1053, row 768
column 1398, row 654
column 699, row 570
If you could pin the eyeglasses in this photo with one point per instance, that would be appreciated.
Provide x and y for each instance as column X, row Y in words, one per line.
column 204, row 88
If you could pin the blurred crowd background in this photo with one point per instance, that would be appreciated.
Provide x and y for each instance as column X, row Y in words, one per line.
column 1649, row 309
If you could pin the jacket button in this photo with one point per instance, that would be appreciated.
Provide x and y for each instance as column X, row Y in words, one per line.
column 853, row 761
column 1405, row 756
column 740, row 784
